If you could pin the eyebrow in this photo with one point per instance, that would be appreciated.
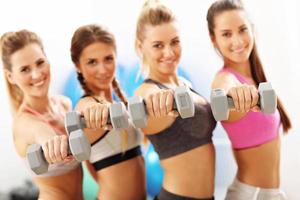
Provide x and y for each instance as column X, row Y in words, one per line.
column 175, row 38
column 38, row 60
column 23, row 66
column 241, row 26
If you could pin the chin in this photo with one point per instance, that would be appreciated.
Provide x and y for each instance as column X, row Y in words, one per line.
column 104, row 86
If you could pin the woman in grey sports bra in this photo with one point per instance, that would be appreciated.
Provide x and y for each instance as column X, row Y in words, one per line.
column 184, row 146
column 116, row 161
column 37, row 119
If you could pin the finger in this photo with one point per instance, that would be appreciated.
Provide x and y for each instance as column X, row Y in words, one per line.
column 248, row 98
column 51, row 151
column 104, row 116
column 56, row 146
column 64, row 146
column 46, row 152
column 163, row 104
column 155, row 102
column 255, row 109
column 169, row 102
column 92, row 117
column 98, row 116
column 86, row 115
column 173, row 113
column 107, row 127
column 255, row 96
column 149, row 105
column 233, row 93
column 241, row 99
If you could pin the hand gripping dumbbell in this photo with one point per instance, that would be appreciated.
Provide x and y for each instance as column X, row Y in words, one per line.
column 117, row 117
column 221, row 103
column 75, row 123
column 79, row 147
column 183, row 103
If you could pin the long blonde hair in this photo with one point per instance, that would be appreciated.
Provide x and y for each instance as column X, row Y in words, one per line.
column 153, row 13
column 10, row 43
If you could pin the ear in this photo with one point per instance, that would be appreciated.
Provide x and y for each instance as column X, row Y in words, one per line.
column 213, row 39
column 9, row 76
column 253, row 30
column 138, row 48
column 78, row 67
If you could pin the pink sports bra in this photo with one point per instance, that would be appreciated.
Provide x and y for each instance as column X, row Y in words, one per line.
column 254, row 128
column 56, row 169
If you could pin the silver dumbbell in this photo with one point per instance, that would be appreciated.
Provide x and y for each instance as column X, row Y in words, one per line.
column 221, row 103
column 81, row 151
column 183, row 103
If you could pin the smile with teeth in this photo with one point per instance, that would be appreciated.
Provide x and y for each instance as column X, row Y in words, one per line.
column 168, row 62
column 238, row 50
column 37, row 84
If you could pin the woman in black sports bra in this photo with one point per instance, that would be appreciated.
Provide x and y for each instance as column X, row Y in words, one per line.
column 184, row 146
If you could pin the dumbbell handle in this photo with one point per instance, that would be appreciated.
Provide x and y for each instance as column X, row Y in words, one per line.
column 83, row 123
column 32, row 160
column 174, row 107
column 231, row 102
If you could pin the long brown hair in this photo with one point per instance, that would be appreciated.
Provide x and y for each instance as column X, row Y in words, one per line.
column 10, row 43
column 256, row 67
column 85, row 36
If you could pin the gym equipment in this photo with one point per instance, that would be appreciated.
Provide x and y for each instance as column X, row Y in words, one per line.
column 221, row 103
column 183, row 103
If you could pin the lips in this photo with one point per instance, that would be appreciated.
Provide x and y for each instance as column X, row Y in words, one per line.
column 168, row 62
column 39, row 83
column 240, row 50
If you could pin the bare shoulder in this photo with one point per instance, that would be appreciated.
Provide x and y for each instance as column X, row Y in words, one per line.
column 66, row 102
column 186, row 81
column 224, row 80
column 145, row 89
column 27, row 130
column 84, row 102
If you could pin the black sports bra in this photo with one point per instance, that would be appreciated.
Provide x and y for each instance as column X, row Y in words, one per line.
column 184, row 134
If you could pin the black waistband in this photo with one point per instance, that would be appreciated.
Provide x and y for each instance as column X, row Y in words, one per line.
column 166, row 195
column 112, row 160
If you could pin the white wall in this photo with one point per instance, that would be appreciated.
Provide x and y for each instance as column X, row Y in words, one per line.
column 278, row 32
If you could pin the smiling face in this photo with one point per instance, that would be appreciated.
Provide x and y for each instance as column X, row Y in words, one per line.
column 97, row 64
column 161, row 48
column 233, row 36
column 30, row 71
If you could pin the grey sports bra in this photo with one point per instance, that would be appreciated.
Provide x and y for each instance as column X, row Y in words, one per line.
column 184, row 134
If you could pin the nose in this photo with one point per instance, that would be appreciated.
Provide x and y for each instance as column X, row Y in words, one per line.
column 237, row 40
column 101, row 68
column 36, row 73
column 168, row 51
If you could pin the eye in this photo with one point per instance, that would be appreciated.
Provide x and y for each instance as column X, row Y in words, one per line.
column 24, row 69
column 226, row 34
column 40, row 62
column 244, row 29
column 109, row 59
column 92, row 62
column 158, row 46
column 175, row 42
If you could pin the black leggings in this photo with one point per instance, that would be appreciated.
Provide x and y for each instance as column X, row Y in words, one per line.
column 165, row 195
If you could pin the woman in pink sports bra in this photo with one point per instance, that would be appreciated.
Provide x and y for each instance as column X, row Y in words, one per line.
column 38, row 119
column 253, row 134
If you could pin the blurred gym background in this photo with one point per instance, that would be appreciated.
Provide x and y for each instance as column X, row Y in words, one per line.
column 277, row 34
